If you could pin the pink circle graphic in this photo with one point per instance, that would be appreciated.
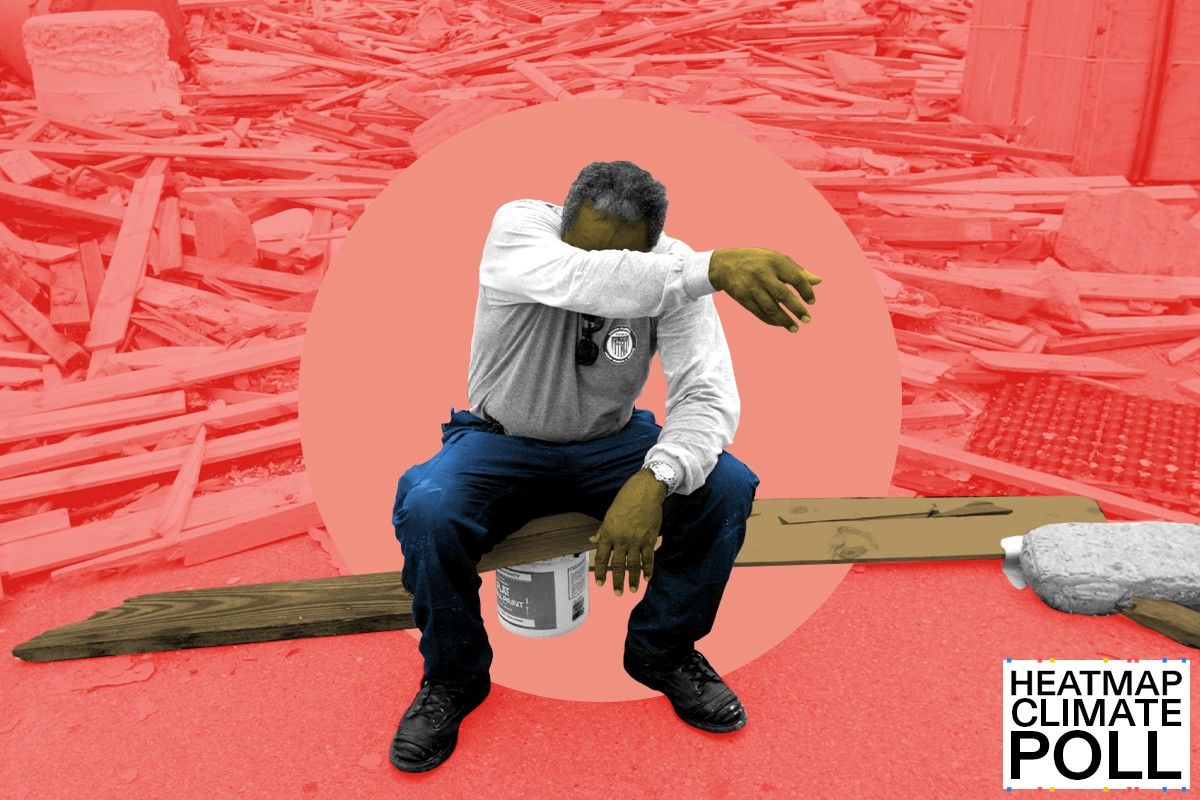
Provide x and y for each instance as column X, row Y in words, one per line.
column 386, row 352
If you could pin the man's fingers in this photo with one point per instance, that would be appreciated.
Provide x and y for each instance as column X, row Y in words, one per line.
column 602, row 553
column 774, row 314
column 634, row 561
column 618, row 569
column 648, row 561
column 799, row 277
column 747, row 301
column 783, row 294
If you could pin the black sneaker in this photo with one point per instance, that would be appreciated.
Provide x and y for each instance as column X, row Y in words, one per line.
column 428, row 730
column 696, row 691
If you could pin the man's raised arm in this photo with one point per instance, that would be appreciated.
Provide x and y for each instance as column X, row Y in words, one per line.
column 525, row 260
column 703, row 405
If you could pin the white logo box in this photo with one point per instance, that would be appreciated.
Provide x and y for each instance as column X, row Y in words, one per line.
column 1097, row 724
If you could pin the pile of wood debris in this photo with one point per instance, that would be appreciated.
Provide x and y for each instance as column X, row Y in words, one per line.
column 158, row 270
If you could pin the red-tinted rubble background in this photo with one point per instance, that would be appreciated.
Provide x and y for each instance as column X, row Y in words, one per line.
column 1022, row 186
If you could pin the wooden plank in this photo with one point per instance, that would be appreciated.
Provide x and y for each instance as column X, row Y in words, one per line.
column 1184, row 351
column 1075, row 345
column 378, row 602
column 55, row 204
column 92, row 262
column 170, row 239
column 1112, row 502
column 19, row 376
column 53, row 423
column 34, row 525
column 167, row 150
column 935, row 230
column 145, row 465
column 1177, row 323
column 255, row 277
column 215, row 540
column 212, row 307
column 93, row 539
column 126, row 267
column 38, row 251
column 162, row 356
column 33, row 324
column 1174, row 620
column 1043, row 363
column 68, row 295
column 147, row 381
column 1190, row 388
column 22, row 166
column 106, row 443
column 173, row 513
column 945, row 413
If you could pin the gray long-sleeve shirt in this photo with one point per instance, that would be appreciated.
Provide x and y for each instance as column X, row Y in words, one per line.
column 534, row 289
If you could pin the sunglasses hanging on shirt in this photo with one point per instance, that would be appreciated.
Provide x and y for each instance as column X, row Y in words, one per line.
column 587, row 351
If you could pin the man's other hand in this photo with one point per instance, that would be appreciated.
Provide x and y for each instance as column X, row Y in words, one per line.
column 629, row 531
column 761, row 280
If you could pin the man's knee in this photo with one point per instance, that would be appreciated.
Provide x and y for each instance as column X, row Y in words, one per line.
column 732, row 483
column 423, row 520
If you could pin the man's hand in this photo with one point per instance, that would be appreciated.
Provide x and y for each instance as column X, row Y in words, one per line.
column 759, row 280
column 629, row 531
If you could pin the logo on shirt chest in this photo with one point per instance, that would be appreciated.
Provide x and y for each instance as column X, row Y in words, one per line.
column 619, row 344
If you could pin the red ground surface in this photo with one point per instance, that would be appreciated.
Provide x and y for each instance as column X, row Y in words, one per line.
column 891, row 690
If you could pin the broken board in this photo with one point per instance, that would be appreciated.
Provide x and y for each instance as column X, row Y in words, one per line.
column 778, row 532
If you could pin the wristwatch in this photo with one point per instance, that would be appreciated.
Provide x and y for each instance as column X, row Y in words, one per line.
column 664, row 473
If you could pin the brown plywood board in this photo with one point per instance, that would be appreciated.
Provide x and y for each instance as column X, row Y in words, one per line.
column 786, row 531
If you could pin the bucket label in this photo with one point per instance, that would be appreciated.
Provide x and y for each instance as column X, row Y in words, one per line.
column 526, row 599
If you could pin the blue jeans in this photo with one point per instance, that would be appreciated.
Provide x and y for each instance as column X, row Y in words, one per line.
column 483, row 485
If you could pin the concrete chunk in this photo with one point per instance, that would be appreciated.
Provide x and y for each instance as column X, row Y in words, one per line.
column 1094, row 568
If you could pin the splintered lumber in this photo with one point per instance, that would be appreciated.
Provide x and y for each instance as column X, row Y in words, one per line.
column 173, row 513
column 785, row 531
column 126, row 267
column 33, row 324
column 1054, row 364
column 156, row 379
column 946, row 457
column 1171, row 619
column 82, row 418
column 93, row 539
column 144, row 465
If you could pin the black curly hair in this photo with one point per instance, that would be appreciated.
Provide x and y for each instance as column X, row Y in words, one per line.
column 620, row 188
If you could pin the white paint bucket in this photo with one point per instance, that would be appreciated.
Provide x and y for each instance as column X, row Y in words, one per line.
column 543, row 598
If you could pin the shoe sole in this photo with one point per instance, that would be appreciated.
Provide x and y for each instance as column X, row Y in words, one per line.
column 427, row 764
column 704, row 726
column 437, row 758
